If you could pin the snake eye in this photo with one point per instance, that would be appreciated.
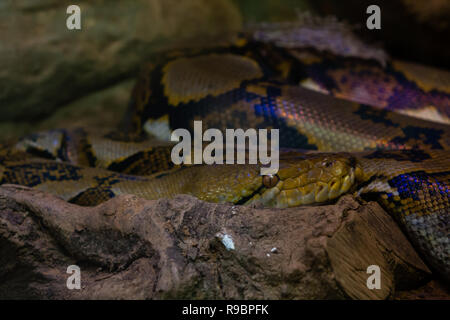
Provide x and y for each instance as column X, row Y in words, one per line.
column 270, row 181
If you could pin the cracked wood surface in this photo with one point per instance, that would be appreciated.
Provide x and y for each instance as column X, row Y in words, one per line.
column 131, row 248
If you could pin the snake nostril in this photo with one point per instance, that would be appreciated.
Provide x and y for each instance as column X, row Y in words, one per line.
column 327, row 163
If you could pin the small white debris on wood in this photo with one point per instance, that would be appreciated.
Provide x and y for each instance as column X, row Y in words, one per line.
column 274, row 250
column 227, row 240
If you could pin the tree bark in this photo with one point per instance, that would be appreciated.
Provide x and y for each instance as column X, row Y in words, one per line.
column 131, row 248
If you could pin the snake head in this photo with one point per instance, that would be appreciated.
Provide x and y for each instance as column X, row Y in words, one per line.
column 301, row 180
column 308, row 180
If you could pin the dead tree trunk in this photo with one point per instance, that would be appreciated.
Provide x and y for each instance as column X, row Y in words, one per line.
column 131, row 248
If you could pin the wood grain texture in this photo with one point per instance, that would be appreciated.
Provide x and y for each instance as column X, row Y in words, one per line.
column 130, row 248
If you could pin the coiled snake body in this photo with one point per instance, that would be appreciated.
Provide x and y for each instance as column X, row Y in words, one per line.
column 402, row 161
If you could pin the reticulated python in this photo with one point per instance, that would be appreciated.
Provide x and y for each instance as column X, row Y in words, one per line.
column 401, row 161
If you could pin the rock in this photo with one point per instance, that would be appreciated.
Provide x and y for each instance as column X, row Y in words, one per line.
column 131, row 248
column 99, row 110
column 44, row 65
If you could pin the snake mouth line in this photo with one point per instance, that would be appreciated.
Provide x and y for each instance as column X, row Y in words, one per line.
column 283, row 195
column 248, row 199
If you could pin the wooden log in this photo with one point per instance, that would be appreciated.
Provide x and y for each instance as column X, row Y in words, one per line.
column 131, row 248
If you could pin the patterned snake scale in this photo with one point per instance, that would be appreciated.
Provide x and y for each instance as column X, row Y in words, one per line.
column 365, row 148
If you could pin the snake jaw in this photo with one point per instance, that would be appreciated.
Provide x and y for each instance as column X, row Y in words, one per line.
column 311, row 181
